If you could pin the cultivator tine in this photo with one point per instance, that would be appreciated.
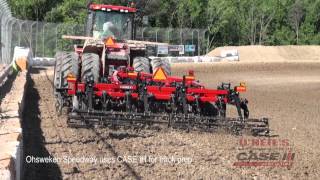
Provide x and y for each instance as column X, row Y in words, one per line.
column 179, row 121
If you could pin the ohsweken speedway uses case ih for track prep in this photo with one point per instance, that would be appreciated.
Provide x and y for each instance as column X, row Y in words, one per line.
column 109, row 81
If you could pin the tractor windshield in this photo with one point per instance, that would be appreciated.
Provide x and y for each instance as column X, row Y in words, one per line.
column 113, row 23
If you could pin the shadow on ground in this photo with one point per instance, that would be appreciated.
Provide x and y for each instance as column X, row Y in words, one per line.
column 6, row 87
column 34, row 140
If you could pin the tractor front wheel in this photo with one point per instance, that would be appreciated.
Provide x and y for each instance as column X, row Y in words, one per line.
column 164, row 64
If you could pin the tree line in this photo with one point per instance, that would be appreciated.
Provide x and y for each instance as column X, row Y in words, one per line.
column 228, row 22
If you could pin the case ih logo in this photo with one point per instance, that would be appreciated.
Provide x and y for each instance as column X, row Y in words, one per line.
column 266, row 152
column 126, row 87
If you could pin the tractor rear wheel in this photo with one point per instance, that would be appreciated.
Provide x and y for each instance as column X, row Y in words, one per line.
column 90, row 67
column 57, row 69
column 69, row 66
column 141, row 64
column 164, row 64
column 66, row 63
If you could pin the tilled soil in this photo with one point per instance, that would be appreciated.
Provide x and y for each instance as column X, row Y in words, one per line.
column 286, row 93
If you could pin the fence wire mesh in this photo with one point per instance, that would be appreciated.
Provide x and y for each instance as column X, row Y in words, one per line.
column 45, row 39
column 5, row 22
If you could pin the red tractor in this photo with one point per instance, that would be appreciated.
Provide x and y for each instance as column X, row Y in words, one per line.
column 109, row 81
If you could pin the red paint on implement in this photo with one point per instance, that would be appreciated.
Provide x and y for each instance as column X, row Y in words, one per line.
column 164, row 92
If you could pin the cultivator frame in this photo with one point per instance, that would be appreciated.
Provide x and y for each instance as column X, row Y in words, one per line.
column 131, row 99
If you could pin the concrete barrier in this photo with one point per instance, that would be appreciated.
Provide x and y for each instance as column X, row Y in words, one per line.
column 198, row 59
column 43, row 61
column 11, row 140
column 22, row 57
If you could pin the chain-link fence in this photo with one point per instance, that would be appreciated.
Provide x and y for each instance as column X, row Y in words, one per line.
column 188, row 37
column 44, row 38
column 5, row 21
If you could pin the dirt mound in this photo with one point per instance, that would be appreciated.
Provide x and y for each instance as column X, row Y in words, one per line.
column 273, row 53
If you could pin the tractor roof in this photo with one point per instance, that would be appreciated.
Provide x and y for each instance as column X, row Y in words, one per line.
column 105, row 7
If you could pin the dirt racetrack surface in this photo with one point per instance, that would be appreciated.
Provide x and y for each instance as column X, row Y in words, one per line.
column 273, row 53
column 287, row 93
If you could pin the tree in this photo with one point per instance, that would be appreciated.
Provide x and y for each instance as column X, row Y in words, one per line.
column 310, row 27
column 227, row 22
column 248, row 17
column 296, row 14
column 70, row 11
column 219, row 20
column 266, row 15
column 32, row 9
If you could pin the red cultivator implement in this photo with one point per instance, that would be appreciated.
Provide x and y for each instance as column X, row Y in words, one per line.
column 128, row 98
column 98, row 86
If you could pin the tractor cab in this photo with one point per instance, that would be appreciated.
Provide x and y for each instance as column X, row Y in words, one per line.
column 108, row 20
